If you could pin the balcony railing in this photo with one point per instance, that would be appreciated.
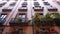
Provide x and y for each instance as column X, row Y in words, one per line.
column 38, row 8
column 51, row 8
column 23, row 22
column 24, row 3
column 45, row 31
column 2, row 4
column 46, row 3
column 48, row 33
column 36, row 4
column 58, row 2
column 44, row 23
column 7, row 9
column 16, row 32
column 12, row 4
column 22, row 9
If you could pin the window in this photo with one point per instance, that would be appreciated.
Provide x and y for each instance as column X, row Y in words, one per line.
column 42, row 31
column 41, row 14
column 20, row 31
column 22, row 16
column 36, row 3
column 2, row 16
column 35, row 0
column 25, row 0
column 7, row 0
column 12, row 4
column 16, row 0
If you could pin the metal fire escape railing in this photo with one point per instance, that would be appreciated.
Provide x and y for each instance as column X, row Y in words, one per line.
column 12, row 14
column 10, row 17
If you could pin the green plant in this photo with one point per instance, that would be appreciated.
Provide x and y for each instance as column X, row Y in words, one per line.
column 19, row 19
column 57, row 19
column 57, row 15
column 49, row 19
column 37, row 19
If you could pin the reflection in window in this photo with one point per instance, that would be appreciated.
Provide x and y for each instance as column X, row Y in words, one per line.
column 2, row 16
column 22, row 16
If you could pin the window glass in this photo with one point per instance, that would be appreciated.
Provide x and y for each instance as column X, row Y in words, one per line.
column 25, row 0
column 41, row 14
column 22, row 16
column 20, row 31
column 2, row 17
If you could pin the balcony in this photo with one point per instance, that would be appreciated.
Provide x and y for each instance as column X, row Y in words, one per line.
column 48, row 32
column 16, row 0
column 2, row 4
column 23, row 9
column 7, row 0
column 46, row 3
column 25, row 0
column 58, row 2
column 51, row 8
column 36, row 4
column 19, row 22
column 43, row 0
column 24, row 3
column 12, row 4
column 15, row 32
column 7, row 9
column 38, row 8
column 35, row 0
column 43, row 23
column 46, row 23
